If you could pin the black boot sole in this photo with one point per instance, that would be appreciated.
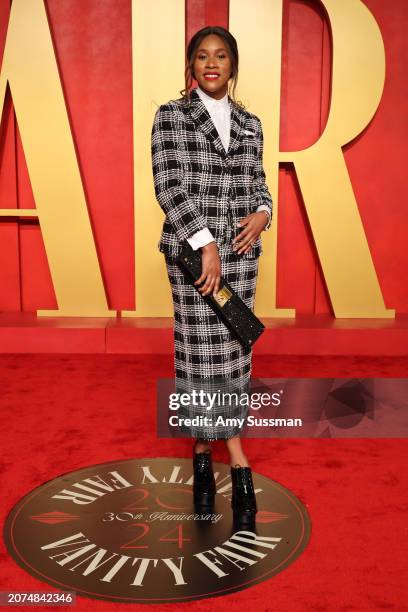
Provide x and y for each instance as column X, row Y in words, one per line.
column 245, row 521
column 204, row 502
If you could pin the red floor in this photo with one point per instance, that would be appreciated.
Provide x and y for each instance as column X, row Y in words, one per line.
column 63, row 412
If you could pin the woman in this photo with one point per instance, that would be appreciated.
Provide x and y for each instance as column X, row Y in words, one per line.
column 209, row 181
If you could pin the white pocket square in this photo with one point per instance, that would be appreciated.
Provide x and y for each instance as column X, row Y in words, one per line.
column 248, row 132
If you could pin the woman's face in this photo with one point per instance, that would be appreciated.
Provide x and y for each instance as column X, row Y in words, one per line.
column 212, row 66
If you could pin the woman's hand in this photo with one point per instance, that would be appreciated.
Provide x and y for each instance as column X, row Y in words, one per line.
column 253, row 225
column 211, row 269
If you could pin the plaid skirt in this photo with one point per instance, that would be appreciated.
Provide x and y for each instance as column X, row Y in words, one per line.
column 206, row 355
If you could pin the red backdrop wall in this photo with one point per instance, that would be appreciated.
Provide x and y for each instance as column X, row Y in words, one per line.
column 92, row 43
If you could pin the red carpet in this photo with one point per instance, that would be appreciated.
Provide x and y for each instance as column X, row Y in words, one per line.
column 63, row 412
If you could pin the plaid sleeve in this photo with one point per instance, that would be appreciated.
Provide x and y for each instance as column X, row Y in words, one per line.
column 181, row 212
column 261, row 188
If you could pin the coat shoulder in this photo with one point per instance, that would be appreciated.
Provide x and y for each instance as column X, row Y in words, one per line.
column 174, row 107
column 249, row 118
column 254, row 118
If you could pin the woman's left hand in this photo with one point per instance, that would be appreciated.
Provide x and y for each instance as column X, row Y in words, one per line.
column 253, row 225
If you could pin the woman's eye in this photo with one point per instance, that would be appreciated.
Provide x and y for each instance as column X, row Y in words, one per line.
column 202, row 57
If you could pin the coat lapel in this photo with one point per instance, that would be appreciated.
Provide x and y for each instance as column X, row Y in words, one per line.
column 203, row 121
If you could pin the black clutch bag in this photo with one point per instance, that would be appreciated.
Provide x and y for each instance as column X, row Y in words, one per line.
column 234, row 313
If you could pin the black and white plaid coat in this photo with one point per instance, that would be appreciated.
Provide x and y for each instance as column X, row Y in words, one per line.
column 197, row 183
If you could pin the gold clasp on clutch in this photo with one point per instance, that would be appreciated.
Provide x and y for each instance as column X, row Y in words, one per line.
column 222, row 296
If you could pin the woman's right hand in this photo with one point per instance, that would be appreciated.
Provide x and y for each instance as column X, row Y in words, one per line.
column 211, row 269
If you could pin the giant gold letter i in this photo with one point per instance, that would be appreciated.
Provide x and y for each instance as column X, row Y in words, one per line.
column 158, row 50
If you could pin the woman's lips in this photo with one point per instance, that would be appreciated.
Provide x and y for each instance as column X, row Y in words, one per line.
column 211, row 77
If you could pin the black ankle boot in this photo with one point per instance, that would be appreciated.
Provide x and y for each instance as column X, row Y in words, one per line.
column 243, row 501
column 204, row 483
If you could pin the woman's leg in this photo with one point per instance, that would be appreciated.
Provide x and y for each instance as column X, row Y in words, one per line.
column 201, row 446
column 237, row 455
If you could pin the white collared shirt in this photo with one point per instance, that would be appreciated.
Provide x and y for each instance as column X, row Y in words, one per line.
column 220, row 113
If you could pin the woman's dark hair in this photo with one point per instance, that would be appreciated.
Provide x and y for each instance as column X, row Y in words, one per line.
column 232, row 48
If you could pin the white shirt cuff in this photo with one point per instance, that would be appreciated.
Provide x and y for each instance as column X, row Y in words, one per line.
column 200, row 239
column 266, row 208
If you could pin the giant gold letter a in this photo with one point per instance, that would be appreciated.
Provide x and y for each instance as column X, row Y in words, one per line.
column 30, row 68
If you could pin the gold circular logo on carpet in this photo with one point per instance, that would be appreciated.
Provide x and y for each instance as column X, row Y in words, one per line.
column 127, row 531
